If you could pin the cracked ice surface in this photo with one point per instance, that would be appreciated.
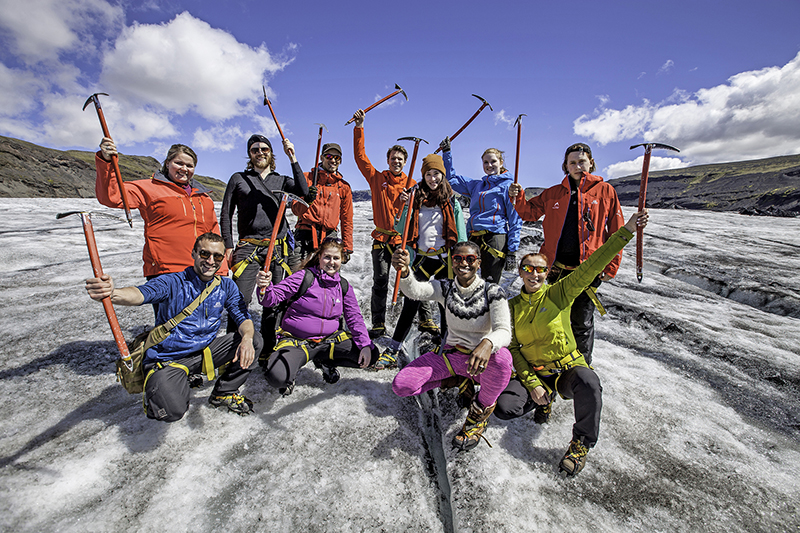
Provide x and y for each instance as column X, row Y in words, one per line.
column 700, row 432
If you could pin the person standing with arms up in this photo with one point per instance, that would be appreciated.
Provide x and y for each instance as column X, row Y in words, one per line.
column 251, row 193
column 494, row 224
column 580, row 214
column 386, row 188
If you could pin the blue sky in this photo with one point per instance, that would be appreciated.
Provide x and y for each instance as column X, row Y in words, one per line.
column 719, row 80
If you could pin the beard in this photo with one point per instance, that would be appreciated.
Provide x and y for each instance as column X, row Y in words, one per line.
column 260, row 164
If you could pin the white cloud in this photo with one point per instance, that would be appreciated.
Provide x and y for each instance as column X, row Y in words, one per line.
column 627, row 168
column 666, row 67
column 218, row 138
column 186, row 65
column 755, row 114
column 500, row 117
column 16, row 87
column 41, row 29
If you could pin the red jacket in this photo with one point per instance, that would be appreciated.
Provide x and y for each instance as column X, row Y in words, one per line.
column 385, row 188
column 596, row 197
column 332, row 206
column 172, row 218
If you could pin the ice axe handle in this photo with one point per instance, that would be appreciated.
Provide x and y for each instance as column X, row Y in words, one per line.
column 403, row 245
column 97, row 268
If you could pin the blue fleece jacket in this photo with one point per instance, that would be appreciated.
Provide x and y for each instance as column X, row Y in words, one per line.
column 177, row 290
column 490, row 208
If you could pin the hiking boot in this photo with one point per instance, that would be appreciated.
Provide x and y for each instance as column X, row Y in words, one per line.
column 287, row 390
column 378, row 330
column 472, row 431
column 387, row 359
column 429, row 326
column 234, row 402
column 195, row 380
column 329, row 373
column 542, row 413
column 575, row 458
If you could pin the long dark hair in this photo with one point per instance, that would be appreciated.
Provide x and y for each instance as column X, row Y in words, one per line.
column 432, row 198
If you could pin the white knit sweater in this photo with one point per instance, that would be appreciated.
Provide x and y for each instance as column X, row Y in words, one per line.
column 472, row 313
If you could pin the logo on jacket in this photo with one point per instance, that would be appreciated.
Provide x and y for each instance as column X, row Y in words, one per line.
column 555, row 205
column 217, row 304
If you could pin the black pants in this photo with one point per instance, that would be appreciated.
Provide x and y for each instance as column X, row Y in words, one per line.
column 491, row 266
column 578, row 383
column 284, row 364
column 247, row 282
column 422, row 267
column 167, row 390
column 381, row 263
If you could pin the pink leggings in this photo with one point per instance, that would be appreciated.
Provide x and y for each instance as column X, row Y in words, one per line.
column 427, row 371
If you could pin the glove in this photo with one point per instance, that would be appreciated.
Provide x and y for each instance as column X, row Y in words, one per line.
column 312, row 194
column 445, row 144
column 511, row 261
column 345, row 257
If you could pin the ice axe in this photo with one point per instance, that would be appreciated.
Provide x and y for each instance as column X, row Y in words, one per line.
column 410, row 204
column 276, row 225
column 94, row 257
column 473, row 117
column 114, row 158
column 314, row 238
column 648, row 147
column 518, row 124
column 382, row 100
column 267, row 103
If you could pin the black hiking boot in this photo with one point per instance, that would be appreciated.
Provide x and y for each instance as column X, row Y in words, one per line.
column 287, row 390
column 542, row 413
column 378, row 330
column 329, row 373
column 236, row 403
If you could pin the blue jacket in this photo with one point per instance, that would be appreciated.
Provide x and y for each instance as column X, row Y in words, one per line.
column 177, row 290
column 490, row 207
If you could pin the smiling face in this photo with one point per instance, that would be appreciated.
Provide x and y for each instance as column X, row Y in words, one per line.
column 260, row 156
column 492, row 164
column 396, row 162
column 330, row 260
column 578, row 163
column 533, row 281
column 433, row 178
column 208, row 258
column 180, row 169
column 466, row 262
column 331, row 161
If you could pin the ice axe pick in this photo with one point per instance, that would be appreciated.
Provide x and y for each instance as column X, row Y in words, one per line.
column 114, row 158
column 382, row 100
column 484, row 105
column 267, row 103
column 648, row 147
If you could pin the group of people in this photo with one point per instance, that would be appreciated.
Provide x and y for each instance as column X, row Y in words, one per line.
column 506, row 357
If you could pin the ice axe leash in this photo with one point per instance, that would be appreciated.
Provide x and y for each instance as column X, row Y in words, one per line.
column 518, row 124
column 94, row 257
column 314, row 238
column 114, row 158
column 484, row 105
column 267, row 103
column 403, row 245
column 382, row 100
column 648, row 147
column 276, row 226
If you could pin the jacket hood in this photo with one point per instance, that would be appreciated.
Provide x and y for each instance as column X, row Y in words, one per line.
column 497, row 179
column 325, row 278
column 587, row 182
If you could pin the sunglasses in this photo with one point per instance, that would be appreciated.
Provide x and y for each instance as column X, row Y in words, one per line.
column 534, row 268
column 205, row 254
column 468, row 259
column 255, row 151
column 331, row 157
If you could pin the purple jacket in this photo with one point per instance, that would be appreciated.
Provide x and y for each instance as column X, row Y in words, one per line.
column 315, row 315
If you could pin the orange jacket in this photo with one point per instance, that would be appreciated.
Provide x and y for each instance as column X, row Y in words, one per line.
column 385, row 188
column 596, row 198
column 332, row 206
column 172, row 218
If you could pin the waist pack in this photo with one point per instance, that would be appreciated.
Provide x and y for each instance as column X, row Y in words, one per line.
column 130, row 370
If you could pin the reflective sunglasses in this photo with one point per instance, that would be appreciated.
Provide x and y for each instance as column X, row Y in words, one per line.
column 205, row 254
column 255, row 151
column 332, row 157
column 468, row 259
column 534, row 268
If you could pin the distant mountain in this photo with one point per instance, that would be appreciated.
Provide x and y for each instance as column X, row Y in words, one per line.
column 31, row 171
column 762, row 186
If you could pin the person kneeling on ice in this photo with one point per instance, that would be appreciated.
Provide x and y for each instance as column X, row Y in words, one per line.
column 320, row 305
column 546, row 359
column 193, row 344
column 474, row 348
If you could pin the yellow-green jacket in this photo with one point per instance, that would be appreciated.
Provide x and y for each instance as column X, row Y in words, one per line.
column 541, row 332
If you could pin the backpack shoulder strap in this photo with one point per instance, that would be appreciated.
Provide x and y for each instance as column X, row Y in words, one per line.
column 189, row 309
